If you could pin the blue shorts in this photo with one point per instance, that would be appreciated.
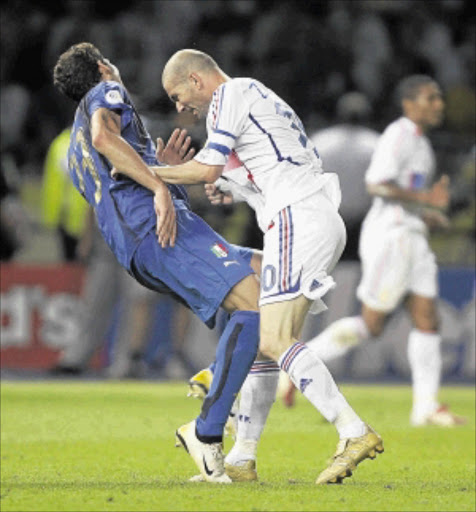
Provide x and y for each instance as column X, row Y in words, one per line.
column 200, row 270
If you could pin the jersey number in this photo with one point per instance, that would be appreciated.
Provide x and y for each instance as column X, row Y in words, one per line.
column 296, row 123
column 268, row 278
column 88, row 166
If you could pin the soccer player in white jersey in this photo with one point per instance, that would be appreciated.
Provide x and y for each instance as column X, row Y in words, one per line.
column 257, row 142
column 397, row 262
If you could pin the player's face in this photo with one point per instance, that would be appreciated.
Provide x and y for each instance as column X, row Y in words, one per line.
column 110, row 71
column 427, row 109
column 187, row 98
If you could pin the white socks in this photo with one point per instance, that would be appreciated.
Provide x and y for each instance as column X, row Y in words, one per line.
column 339, row 338
column 310, row 375
column 256, row 398
column 424, row 355
column 313, row 379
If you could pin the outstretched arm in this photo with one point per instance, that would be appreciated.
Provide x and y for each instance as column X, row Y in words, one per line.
column 435, row 197
column 107, row 139
column 189, row 173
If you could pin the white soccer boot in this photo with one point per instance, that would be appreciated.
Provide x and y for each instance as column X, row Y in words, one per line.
column 198, row 387
column 209, row 458
column 441, row 417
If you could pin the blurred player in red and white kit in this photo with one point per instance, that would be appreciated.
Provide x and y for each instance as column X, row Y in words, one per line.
column 397, row 261
column 258, row 147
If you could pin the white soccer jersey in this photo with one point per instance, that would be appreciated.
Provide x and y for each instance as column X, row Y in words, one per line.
column 264, row 144
column 394, row 251
column 405, row 157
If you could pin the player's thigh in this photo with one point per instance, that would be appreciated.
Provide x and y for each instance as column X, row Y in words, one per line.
column 386, row 259
column 300, row 251
column 424, row 272
column 202, row 268
column 244, row 296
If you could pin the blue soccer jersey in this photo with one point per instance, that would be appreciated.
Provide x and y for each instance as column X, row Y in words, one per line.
column 124, row 209
column 202, row 268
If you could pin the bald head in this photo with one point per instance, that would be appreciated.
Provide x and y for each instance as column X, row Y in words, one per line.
column 190, row 77
column 184, row 62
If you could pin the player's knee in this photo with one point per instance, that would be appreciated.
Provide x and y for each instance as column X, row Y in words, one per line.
column 425, row 318
column 374, row 320
column 424, row 313
column 266, row 347
column 268, row 351
column 375, row 327
column 272, row 345
column 427, row 323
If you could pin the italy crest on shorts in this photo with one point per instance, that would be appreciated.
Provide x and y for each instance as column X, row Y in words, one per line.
column 219, row 250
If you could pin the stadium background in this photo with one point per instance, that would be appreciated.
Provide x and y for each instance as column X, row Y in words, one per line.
column 310, row 53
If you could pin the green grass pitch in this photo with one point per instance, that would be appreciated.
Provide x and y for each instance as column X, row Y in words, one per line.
column 100, row 446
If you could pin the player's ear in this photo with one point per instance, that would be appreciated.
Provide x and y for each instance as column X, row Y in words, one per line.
column 103, row 69
column 195, row 80
column 407, row 106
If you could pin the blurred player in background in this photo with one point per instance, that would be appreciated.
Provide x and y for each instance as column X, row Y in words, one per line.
column 156, row 237
column 257, row 147
column 397, row 261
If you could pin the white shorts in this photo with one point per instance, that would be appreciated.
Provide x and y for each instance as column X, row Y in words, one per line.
column 300, row 250
column 395, row 261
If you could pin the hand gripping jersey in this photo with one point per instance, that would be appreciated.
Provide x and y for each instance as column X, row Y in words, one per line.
column 262, row 139
column 124, row 209
column 403, row 156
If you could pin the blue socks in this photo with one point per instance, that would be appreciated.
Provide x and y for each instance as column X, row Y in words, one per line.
column 236, row 352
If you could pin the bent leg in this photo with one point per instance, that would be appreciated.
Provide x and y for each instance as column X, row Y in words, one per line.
column 339, row 338
column 236, row 351
column 280, row 323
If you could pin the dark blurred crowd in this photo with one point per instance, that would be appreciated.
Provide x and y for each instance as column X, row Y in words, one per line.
column 310, row 52
column 336, row 62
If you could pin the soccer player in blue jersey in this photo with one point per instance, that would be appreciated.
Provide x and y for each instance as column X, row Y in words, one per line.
column 152, row 232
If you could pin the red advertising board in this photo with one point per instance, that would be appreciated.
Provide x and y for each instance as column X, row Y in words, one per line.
column 39, row 312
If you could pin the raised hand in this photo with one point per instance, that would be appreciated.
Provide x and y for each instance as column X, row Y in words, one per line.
column 439, row 193
column 177, row 150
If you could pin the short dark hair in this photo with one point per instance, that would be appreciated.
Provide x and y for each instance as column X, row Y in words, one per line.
column 76, row 71
column 409, row 87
